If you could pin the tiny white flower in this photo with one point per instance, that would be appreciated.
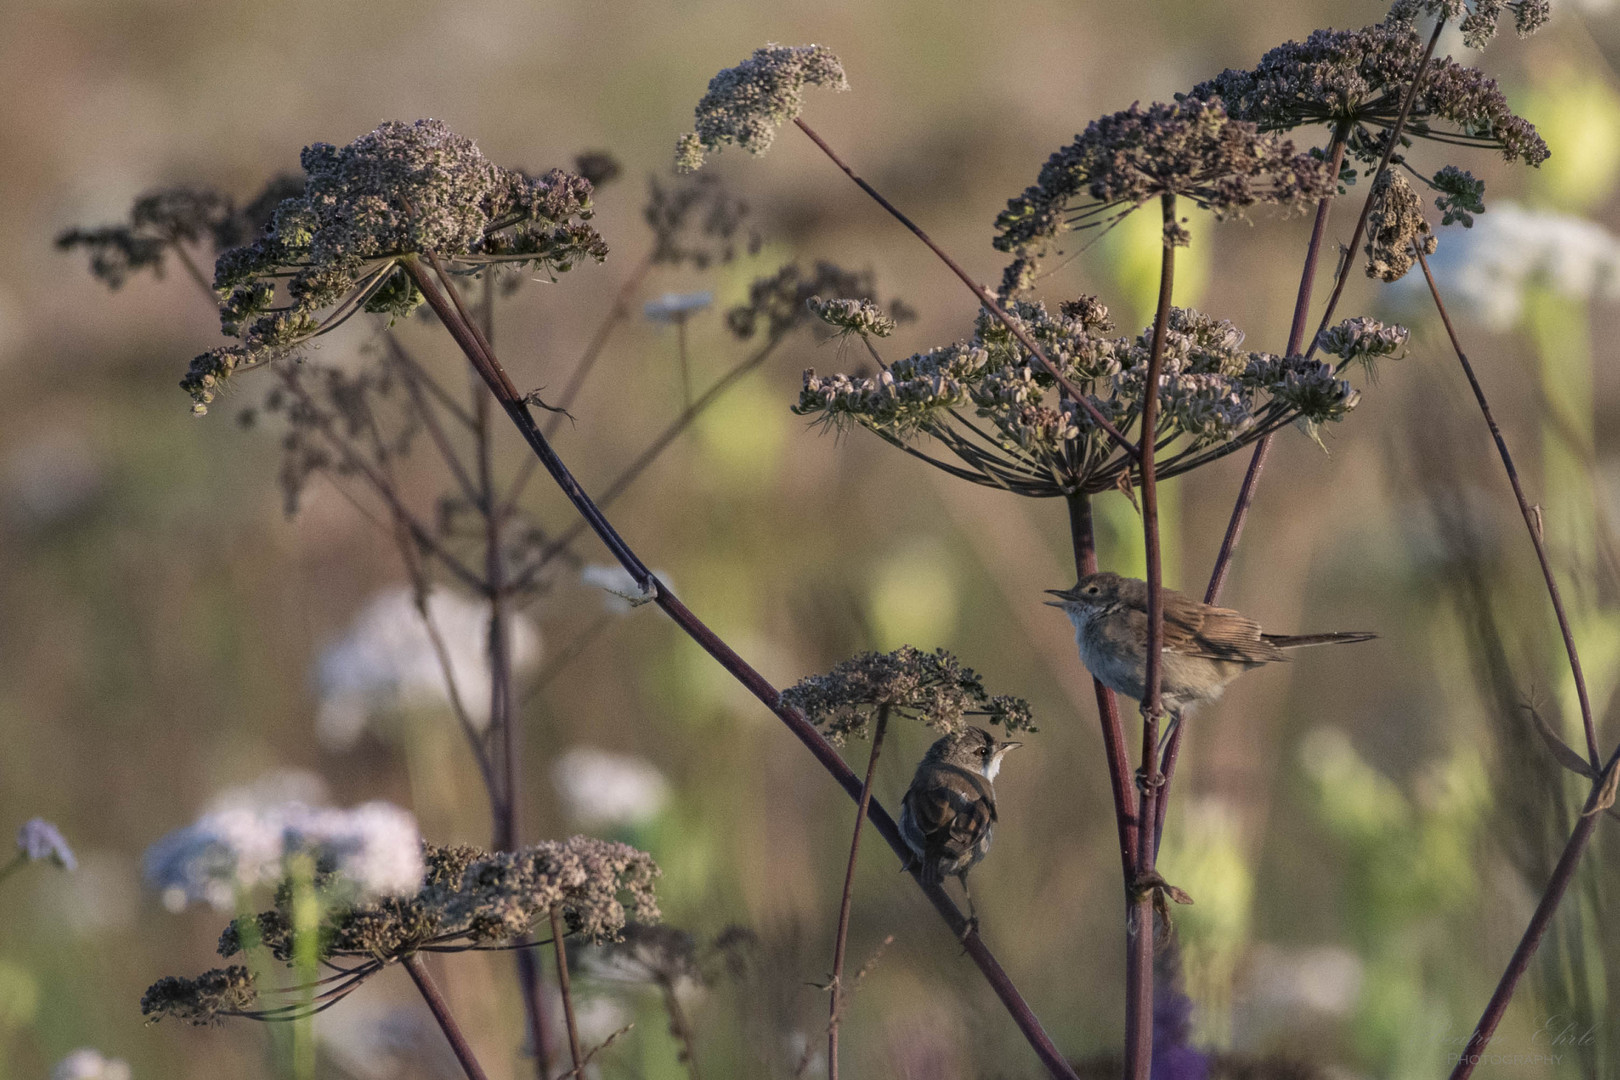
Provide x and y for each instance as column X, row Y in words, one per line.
column 623, row 594
column 676, row 307
column 601, row 788
column 241, row 842
column 88, row 1064
column 387, row 663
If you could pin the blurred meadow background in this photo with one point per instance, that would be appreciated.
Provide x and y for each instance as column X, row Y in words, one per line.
column 1364, row 830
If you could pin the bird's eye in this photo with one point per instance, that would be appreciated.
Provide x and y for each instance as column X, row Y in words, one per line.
column 984, row 751
column 1092, row 590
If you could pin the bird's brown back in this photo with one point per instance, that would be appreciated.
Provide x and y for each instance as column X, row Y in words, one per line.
column 954, row 810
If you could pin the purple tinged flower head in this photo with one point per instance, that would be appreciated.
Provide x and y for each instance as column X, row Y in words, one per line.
column 38, row 841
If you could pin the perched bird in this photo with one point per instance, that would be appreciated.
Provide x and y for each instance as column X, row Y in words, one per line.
column 1205, row 647
column 949, row 813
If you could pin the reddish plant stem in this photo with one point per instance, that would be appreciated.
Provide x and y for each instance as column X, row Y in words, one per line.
column 565, row 988
column 495, row 376
column 1080, row 397
column 1562, row 876
column 1531, row 522
column 441, row 1012
column 1139, row 925
column 841, row 940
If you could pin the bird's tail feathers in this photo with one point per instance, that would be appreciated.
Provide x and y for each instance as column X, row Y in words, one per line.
column 1299, row 641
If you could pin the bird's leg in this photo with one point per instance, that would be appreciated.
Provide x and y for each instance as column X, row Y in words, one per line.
column 1169, row 730
column 972, row 926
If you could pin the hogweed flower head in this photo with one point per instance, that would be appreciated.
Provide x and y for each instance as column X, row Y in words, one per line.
column 1008, row 424
column 1396, row 229
column 1479, row 18
column 504, row 894
column 40, row 841
column 1190, row 148
column 404, row 189
column 935, row 688
column 746, row 104
column 1358, row 78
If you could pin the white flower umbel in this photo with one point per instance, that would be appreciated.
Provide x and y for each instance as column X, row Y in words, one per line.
column 88, row 1064
column 676, row 307
column 375, row 849
column 600, row 788
column 387, row 663
column 1484, row 272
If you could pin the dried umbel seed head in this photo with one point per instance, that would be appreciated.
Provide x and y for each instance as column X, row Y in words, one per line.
column 401, row 190
column 1396, row 230
column 204, row 1000
column 1479, row 18
column 746, row 104
column 1358, row 78
column 1460, row 196
column 697, row 221
column 1191, row 149
column 502, row 895
column 935, row 688
column 1215, row 397
column 860, row 317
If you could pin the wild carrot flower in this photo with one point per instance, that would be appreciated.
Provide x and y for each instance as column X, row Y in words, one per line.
column 600, row 788
column 1479, row 18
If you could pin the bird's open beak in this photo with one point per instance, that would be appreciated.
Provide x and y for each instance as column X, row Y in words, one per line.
column 1063, row 596
column 1010, row 746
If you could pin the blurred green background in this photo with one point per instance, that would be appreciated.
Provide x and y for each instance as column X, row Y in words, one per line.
column 1364, row 830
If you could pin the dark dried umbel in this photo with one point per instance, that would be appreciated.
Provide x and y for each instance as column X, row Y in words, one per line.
column 1396, row 229
column 746, row 104
column 160, row 221
column 211, row 996
column 847, row 316
column 697, row 221
column 401, row 190
column 1190, row 148
column 657, row 954
column 1479, row 19
column 778, row 303
column 935, row 688
column 469, row 899
column 1214, row 397
column 1357, row 78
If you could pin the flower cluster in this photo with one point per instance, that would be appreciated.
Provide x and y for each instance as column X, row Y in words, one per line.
column 372, row 850
column 778, row 303
column 1190, row 148
column 87, row 1063
column 852, row 317
column 697, row 222
column 1214, row 397
column 1358, row 78
column 1396, row 229
column 464, row 898
column 666, row 956
column 935, row 688
column 601, row 788
column 40, row 841
column 162, row 220
column 401, row 190
column 1479, row 22
column 746, row 104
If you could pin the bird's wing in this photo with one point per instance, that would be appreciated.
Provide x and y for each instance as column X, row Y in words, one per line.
column 952, row 809
column 1195, row 629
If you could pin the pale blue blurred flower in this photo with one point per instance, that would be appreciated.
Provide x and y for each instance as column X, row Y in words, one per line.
column 39, row 840
column 676, row 307
column 88, row 1064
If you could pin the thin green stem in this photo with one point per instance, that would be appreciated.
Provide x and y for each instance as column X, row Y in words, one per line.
column 841, row 939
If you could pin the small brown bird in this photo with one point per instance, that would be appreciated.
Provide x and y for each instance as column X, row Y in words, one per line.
column 1205, row 647
column 948, row 814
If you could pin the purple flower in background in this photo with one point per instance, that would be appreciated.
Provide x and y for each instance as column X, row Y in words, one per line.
column 1173, row 1058
column 39, row 840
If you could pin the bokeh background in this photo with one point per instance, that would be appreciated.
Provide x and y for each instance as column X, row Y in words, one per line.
column 1364, row 830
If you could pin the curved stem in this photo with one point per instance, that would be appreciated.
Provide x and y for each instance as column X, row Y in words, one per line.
column 441, row 1012
column 1532, row 520
column 1139, row 928
column 681, row 1028
column 467, row 339
column 842, row 937
column 1080, row 397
